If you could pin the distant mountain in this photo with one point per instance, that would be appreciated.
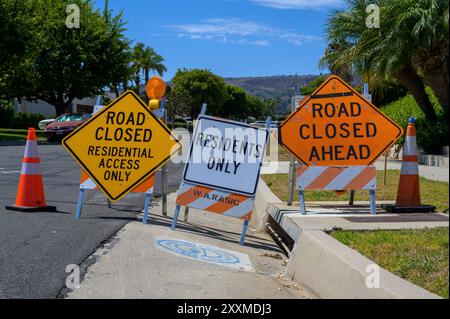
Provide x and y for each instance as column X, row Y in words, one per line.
column 280, row 88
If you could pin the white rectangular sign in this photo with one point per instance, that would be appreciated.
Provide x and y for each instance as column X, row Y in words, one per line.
column 226, row 155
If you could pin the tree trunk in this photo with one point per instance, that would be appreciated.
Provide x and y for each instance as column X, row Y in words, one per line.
column 147, row 99
column 147, row 71
column 60, row 108
column 138, row 89
column 437, row 78
column 412, row 81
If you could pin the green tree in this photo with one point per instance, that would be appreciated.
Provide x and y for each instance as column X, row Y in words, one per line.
column 15, row 35
column 259, row 108
column 66, row 63
column 178, row 103
column 424, row 26
column 202, row 86
column 136, row 65
column 118, row 51
column 152, row 61
column 390, row 52
column 313, row 85
column 235, row 105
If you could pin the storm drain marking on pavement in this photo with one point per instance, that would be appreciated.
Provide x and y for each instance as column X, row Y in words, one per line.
column 211, row 254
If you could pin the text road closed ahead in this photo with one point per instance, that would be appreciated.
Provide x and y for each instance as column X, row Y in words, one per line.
column 226, row 155
column 122, row 145
column 337, row 126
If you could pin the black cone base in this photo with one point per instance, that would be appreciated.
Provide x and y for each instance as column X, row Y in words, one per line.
column 408, row 209
column 31, row 209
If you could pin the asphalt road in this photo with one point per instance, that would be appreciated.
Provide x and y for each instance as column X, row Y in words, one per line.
column 35, row 248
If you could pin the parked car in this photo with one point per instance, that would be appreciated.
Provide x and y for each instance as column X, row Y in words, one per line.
column 42, row 124
column 64, row 125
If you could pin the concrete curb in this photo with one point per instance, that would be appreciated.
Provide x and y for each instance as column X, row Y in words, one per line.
column 264, row 197
column 332, row 270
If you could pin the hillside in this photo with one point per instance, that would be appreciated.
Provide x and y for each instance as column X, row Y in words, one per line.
column 279, row 88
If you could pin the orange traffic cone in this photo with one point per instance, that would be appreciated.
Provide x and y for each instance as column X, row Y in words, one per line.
column 30, row 194
column 408, row 194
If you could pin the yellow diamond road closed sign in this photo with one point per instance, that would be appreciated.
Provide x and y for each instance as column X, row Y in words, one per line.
column 122, row 145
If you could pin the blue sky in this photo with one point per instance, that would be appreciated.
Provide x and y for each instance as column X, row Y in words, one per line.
column 233, row 38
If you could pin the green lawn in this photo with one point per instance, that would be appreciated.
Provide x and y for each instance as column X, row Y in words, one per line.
column 7, row 134
column 419, row 256
column 432, row 192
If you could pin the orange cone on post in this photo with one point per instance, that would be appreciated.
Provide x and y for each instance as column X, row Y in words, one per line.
column 30, row 193
column 408, row 194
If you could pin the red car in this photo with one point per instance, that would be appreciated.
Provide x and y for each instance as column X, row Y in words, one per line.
column 64, row 125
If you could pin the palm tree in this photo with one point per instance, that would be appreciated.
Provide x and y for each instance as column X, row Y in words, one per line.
column 136, row 64
column 426, row 22
column 152, row 61
column 378, row 54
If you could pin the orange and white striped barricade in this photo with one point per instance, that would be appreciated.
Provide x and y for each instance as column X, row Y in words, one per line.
column 145, row 187
column 335, row 178
column 214, row 187
column 215, row 201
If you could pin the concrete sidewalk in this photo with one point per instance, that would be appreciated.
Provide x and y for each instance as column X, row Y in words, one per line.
column 137, row 263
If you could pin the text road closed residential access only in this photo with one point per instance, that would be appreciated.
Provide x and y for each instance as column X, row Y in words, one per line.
column 122, row 145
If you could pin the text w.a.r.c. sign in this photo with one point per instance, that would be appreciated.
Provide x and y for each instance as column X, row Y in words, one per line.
column 337, row 126
column 226, row 155
column 122, row 145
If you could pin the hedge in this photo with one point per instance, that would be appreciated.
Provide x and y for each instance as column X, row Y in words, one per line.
column 9, row 119
column 430, row 137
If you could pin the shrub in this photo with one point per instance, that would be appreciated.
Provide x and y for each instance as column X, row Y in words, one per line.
column 9, row 119
column 430, row 137
column 6, row 114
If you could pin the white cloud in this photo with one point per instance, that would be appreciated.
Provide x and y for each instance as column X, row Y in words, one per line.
column 298, row 4
column 239, row 31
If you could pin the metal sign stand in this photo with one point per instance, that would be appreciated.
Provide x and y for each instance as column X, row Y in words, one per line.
column 186, row 213
column 178, row 207
column 148, row 198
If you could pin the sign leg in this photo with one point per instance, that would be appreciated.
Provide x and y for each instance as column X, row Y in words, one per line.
column 291, row 184
column 373, row 206
column 301, row 199
column 244, row 233
column 148, row 198
column 175, row 217
column 186, row 214
column 80, row 203
column 352, row 198
column 164, row 190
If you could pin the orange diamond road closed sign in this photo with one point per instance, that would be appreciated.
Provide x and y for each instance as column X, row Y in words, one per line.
column 122, row 145
column 337, row 126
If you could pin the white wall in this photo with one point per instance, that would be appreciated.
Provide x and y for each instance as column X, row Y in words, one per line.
column 38, row 107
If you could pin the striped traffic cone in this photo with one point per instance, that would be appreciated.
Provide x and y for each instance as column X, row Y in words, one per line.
column 408, row 194
column 30, row 193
